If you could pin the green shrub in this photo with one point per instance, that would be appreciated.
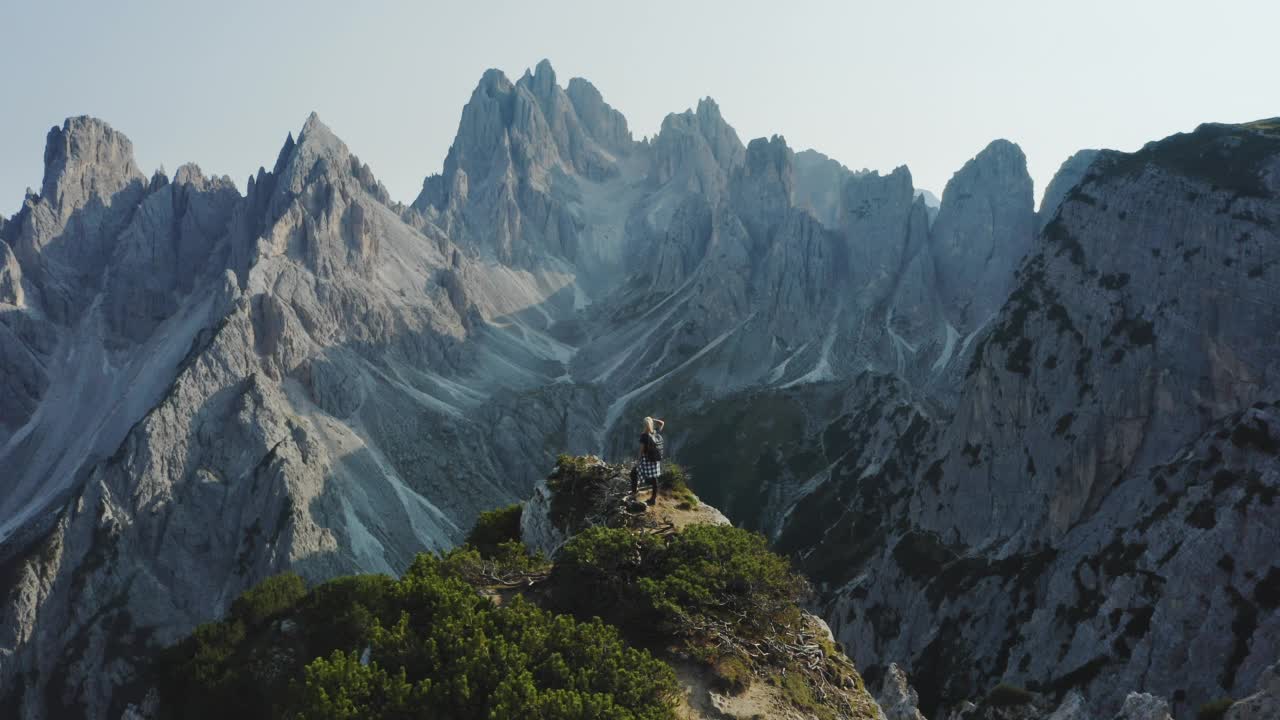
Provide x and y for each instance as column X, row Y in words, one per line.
column 506, row 560
column 495, row 527
column 731, row 674
column 1005, row 695
column 675, row 481
column 569, row 465
column 676, row 584
column 435, row 648
column 797, row 690
column 1214, row 710
column 342, row 613
column 340, row 687
column 271, row 597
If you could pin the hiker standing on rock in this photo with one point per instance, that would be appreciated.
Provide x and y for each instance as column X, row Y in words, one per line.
column 649, row 463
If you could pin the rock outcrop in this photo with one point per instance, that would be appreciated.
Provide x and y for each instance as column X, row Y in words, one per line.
column 897, row 699
column 1264, row 703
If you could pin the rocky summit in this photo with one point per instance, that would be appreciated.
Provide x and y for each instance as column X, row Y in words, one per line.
column 1027, row 457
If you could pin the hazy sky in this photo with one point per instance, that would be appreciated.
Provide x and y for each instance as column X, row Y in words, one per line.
column 873, row 84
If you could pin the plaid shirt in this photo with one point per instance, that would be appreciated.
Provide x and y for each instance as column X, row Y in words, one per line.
column 649, row 469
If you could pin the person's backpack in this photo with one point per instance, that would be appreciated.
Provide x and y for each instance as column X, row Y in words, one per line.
column 653, row 450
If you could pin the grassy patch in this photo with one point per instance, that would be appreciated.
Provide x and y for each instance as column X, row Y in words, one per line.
column 495, row 527
column 1005, row 695
column 732, row 674
column 1214, row 710
column 675, row 481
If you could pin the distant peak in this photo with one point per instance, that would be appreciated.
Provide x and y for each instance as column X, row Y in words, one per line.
column 82, row 123
column 707, row 107
column 189, row 174
column 1003, row 147
column 582, row 85
column 286, row 151
column 312, row 125
column 775, row 144
column 87, row 148
column 316, row 134
column 541, row 81
column 493, row 80
column 770, row 158
column 928, row 198
column 544, row 70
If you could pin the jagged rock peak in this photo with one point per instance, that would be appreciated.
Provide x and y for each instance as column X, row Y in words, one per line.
column 874, row 207
column 725, row 145
column 86, row 157
column 316, row 132
column 319, row 153
column 492, row 81
column 286, row 151
column 543, row 79
column 864, row 193
column 709, row 108
column 771, row 158
column 819, row 183
column 158, row 180
column 189, row 174
column 296, row 164
column 984, row 227
column 999, row 169
column 600, row 119
column 697, row 149
column 930, row 200
column 999, row 159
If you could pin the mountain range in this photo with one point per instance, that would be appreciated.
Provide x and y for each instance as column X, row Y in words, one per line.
column 1008, row 444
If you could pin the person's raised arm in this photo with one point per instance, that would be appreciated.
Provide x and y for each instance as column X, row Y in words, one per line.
column 661, row 423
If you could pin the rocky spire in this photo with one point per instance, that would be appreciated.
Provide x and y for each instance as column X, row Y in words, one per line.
column 86, row 159
column 897, row 699
column 696, row 151
column 65, row 235
column 606, row 125
column 763, row 186
column 722, row 139
column 875, row 216
column 544, row 79
column 819, row 181
column 984, row 228
column 515, row 142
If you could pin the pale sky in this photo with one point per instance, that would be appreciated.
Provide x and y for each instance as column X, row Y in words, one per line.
column 872, row 84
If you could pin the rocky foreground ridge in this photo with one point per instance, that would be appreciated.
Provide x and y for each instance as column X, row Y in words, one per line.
column 702, row 623
column 1008, row 444
column 581, row 547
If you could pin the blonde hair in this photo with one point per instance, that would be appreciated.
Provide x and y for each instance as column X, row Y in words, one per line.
column 648, row 424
